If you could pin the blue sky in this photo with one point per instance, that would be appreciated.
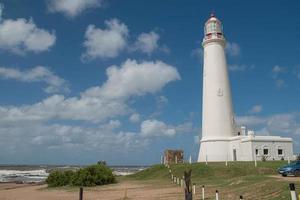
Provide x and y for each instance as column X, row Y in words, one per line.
column 122, row 80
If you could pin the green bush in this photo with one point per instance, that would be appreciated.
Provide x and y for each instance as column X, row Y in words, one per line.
column 89, row 176
column 60, row 178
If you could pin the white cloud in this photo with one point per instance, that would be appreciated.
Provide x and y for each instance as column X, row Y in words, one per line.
column 240, row 68
column 105, row 43
column 251, row 120
column 134, row 118
column 64, row 138
column 98, row 103
column 134, row 78
column 50, row 123
column 256, row 109
column 233, row 49
column 155, row 128
column 72, row 8
column 60, row 108
column 36, row 74
column 20, row 36
column 286, row 124
column 277, row 71
column 147, row 42
column 150, row 128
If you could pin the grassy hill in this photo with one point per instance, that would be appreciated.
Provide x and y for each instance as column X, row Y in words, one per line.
column 238, row 178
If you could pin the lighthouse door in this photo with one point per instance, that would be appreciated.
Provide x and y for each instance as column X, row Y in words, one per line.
column 234, row 154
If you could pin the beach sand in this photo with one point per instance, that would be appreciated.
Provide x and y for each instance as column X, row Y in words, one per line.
column 134, row 189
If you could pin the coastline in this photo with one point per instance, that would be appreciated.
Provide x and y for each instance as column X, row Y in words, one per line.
column 22, row 174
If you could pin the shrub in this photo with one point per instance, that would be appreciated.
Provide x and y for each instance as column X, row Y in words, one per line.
column 101, row 162
column 60, row 178
column 298, row 157
column 89, row 176
column 264, row 158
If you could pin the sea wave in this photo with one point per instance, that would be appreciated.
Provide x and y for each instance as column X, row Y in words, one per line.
column 38, row 174
column 125, row 171
column 35, row 176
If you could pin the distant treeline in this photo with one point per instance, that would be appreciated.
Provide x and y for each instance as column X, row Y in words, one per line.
column 93, row 175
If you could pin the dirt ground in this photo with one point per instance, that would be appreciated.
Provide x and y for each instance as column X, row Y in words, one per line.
column 287, row 178
column 131, row 189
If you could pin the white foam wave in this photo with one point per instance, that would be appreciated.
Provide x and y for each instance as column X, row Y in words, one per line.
column 23, row 175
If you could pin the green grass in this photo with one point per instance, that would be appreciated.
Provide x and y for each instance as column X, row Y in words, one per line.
column 238, row 178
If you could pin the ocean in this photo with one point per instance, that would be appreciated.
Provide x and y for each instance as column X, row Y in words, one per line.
column 39, row 173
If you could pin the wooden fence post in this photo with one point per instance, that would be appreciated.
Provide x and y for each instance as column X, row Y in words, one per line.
column 188, row 190
column 81, row 193
column 217, row 195
column 194, row 189
column 293, row 192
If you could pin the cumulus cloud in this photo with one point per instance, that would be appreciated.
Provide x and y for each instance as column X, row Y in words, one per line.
column 88, row 122
column 72, row 8
column 134, row 118
column 156, row 128
column 147, row 42
column 134, row 78
column 20, row 36
column 105, row 43
column 256, row 109
column 109, row 42
column 285, row 124
column 150, row 128
column 68, row 138
column 109, row 100
column 36, row 74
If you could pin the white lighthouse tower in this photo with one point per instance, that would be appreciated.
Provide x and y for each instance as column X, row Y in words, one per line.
column 217, row 115
column 222, row 139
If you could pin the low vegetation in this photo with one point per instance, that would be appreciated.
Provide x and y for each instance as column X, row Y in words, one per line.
column 238, row 178
column 93, row 175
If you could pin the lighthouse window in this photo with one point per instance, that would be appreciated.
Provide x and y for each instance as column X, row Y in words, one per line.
column 256, row 151
column 280, row 152
column 266, row 151
column 213, row 26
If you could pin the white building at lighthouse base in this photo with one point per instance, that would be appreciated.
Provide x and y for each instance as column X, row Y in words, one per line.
column 246, row 147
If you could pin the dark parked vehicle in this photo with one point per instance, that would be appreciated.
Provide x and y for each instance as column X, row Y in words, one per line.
column 291, row 169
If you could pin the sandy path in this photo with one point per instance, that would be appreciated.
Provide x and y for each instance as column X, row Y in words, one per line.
column 135, row 190
column 288, row 178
